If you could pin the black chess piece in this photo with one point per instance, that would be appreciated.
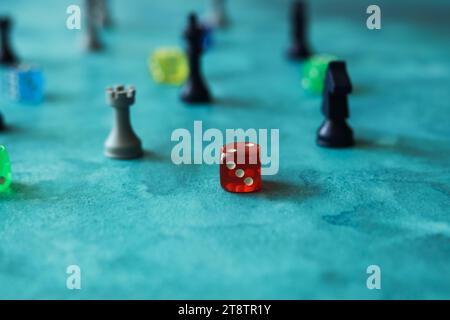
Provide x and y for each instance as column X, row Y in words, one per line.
column 7, row 56
column 2, row 123
column 195, row 89
column 335, row 132
column 299, row 49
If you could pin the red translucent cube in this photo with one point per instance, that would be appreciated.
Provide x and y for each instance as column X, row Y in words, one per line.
column 240, row 167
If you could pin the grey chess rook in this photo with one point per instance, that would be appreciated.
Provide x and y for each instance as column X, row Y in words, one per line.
column 122, row 142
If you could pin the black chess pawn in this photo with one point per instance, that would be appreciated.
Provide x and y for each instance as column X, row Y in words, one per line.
column 335, row 132
column 299, row 49
column 7, row 56
column 2, row 123
column 195, row 89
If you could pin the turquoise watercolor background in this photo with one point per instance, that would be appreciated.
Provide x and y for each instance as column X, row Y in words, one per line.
column 150, row 229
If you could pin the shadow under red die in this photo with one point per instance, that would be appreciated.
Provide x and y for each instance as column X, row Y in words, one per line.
column 240, row 167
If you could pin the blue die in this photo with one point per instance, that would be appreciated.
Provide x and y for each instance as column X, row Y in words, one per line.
column 25, row 84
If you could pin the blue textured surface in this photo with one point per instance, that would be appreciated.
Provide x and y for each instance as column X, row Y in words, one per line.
column 150, row 229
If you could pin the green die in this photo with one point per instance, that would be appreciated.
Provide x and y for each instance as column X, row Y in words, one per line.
column 313, row 72
column 168, row 66
column 5, row 169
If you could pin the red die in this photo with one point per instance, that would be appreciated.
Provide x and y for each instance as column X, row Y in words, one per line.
column 240, row 167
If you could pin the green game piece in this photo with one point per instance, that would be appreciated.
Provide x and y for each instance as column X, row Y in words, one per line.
column 5, row 169
column 169, row 66
column 313, row 72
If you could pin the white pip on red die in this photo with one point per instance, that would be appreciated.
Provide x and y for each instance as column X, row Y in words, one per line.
column 240, row 167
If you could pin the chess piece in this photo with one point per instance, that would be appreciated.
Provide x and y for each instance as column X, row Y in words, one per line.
column 92, row 40
column 7, row 56
column 104, row 14
column 2, row 122
column 122, row 142
column 195, row 89
column 335, row 132
column 299, row 49
column 218, row 16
